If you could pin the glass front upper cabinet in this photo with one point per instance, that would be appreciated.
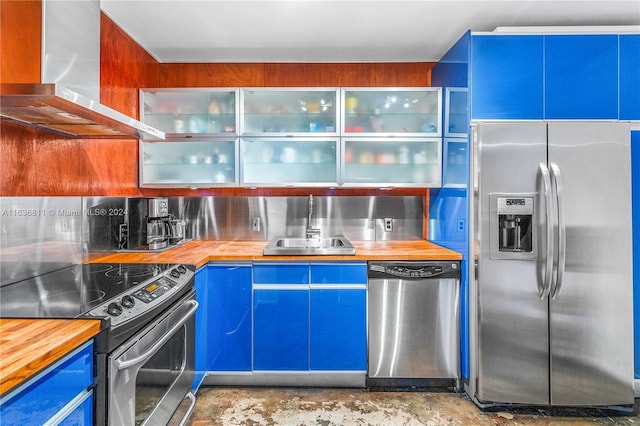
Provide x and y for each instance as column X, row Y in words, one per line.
column 384, row 162
column 455, row 163
column 456, row 114
column 290, row 161
column 290, row 111
column 393, row 111
column 204, row 163
column 190, row 112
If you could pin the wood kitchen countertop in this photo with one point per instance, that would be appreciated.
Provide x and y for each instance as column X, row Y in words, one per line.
column 27, row 346
column 199, row 253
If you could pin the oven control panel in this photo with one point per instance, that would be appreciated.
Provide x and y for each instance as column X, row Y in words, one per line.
column 155, row 289
column 145, row 296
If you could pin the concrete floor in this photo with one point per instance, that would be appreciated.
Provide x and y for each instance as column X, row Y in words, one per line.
column 328, row 407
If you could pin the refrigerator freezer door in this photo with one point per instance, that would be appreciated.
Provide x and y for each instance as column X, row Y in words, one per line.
column 591, row 314
column 512, row 319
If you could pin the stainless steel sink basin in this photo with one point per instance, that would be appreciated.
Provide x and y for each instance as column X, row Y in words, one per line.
column 299, row 246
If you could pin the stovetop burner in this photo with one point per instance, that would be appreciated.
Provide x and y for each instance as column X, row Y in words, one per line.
column 72, row 291
column 132, row 273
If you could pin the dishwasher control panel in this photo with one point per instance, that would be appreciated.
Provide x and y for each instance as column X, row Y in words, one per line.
column 413, row 270
column 402, row 271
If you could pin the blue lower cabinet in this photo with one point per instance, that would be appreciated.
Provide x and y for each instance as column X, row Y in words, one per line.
column 201, row 326
column 49, row 394
column 338, row 316
column 310, row 317
column 229, row 330
column 338, row 329
column 281, row 329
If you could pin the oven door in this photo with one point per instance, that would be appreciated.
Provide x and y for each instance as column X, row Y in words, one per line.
column 152, row 373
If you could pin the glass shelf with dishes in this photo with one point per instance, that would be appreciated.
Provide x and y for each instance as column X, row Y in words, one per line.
column 290, row 111
column 404, row 112
column 411, row 162
column 289, row 161
column 190, row 112
column 204, row 163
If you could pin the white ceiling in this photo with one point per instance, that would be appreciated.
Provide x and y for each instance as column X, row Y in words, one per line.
column 338, row 30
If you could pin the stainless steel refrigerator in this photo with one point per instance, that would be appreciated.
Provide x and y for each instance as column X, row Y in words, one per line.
column 551, row 291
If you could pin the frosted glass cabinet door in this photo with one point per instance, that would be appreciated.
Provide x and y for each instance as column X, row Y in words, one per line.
column 182, row 112
column 291, row 111
column 456, row 114
column 392, row 162
column 454, row 173
column 397, row 111
column 289, row 161
column 194, row 164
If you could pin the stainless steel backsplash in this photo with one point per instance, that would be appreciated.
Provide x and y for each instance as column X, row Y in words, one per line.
column 41, row 234
column 357, row 218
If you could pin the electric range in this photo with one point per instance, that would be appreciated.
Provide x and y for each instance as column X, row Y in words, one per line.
column 147, row 332
column 126, row 294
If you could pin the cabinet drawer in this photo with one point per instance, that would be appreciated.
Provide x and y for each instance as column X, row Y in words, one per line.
column 281, row 273
column 48, row 392
column 82, row 414
column 339, row 273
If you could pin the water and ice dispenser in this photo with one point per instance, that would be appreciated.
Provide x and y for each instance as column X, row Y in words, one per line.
column 512, row 226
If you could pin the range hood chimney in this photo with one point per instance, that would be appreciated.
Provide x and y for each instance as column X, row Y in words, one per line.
column 65, row 100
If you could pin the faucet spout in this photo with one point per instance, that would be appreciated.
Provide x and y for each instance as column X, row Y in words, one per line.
column 311, row 231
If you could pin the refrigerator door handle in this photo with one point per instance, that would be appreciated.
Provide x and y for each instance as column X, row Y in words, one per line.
column 548, row 271
column 556, row 179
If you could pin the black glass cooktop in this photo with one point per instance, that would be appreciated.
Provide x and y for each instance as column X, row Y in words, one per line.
column 72, row 291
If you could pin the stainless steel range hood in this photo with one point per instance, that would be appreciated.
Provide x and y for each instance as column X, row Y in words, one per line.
column 60, row 110
column 65, row 100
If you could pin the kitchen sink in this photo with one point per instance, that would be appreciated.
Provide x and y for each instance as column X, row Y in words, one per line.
column 300, row 246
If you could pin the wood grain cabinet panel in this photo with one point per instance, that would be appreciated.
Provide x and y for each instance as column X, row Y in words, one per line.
column 20, row 41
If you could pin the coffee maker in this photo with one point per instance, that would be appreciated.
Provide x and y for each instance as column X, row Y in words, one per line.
column 148, row 223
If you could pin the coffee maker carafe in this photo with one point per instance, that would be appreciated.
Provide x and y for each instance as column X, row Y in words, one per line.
column 149, row 226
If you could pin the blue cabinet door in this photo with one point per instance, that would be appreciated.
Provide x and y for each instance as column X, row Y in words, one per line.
column 581, row 76
column 635, row 209
column 201, row 326
column 630, row 77
column 229, row 322
column 338, row 329
column 281, row 329
column 281, row 316
column 338, row 316
column 507, row 77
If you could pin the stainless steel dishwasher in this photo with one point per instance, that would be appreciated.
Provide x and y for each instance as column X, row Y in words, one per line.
column 414, row 324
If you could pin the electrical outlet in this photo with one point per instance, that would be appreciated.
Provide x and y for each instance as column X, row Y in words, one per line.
column 255, row 224
column 460, row 225
column 388, row 224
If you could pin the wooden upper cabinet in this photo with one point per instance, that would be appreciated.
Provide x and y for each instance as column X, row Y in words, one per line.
column 20, row 41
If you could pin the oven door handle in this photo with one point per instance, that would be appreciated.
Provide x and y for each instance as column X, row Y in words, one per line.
column 123, row 365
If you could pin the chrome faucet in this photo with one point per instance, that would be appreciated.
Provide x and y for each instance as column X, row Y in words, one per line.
column 311, row 231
